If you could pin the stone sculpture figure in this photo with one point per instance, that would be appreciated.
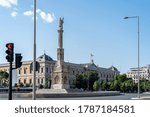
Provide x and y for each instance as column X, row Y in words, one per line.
column 61, row 21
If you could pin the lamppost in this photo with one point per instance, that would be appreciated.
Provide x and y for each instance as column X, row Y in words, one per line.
column 34, row 55
column 138, row 96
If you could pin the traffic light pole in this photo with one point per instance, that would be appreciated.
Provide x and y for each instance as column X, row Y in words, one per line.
column 10, row 83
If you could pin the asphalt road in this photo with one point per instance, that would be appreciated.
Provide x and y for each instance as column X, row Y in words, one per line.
column 127, row 96
column 119, row 97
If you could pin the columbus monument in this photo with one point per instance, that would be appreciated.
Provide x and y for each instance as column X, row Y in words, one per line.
column 60, row 78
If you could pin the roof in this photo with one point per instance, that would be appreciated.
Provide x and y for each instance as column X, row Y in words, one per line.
column 45, row 57
column 113, row 68
column 91, row 66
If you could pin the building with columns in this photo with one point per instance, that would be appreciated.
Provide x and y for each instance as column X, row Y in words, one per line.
column 58, row 73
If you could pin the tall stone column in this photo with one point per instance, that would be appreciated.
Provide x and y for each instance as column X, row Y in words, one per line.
column 60, row 78
column 60, row 50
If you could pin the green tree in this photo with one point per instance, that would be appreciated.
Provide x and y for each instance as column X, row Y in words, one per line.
column 135, row 87
column 129, row 85
column 122, row 87
column 47, row 82
column 144, row 85
column 4, row 78
column 93, row 76
column 111, row 88
column 121, row 78
column 104, row 85
column 81, row 81
column 96, row 85
column 116, row 85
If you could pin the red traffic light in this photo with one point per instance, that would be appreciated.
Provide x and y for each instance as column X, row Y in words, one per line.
column 9, row 45
column 10, row 52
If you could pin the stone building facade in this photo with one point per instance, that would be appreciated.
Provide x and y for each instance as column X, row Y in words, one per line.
column 144, row 73
column 47, row 68
column 59, row 74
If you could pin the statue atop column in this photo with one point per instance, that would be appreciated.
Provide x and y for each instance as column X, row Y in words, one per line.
column 60, row 77
column 61, row 21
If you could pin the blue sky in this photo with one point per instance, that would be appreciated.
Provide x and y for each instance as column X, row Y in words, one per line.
column 90, row 26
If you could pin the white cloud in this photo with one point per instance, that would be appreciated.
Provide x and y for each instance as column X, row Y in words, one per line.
column 8, row 3
column 28, row 13
column 46, row 17
column 38, row 10
column 49, row 18
column 14, row 14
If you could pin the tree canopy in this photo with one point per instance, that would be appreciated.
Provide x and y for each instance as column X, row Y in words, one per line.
column 4, row 75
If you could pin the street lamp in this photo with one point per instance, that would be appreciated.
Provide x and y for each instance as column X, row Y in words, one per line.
column 34, row 55
column 138, row 53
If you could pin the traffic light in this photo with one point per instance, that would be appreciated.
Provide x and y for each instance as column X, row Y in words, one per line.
column 10, row 52
column 18, row 59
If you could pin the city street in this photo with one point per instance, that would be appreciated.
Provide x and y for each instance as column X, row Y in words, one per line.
column 119, row 97
column 127, row 96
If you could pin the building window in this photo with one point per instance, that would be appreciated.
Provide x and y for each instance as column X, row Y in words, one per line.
column 46, row 69
column 19, row 71
column 50, row 70
column 24, row 81
column 38, row 81
column 38, row 70
column 19, row 81
column 30, row 81
column 24, row 70
column 30, row 70
column 42, row 70
column 41, row 81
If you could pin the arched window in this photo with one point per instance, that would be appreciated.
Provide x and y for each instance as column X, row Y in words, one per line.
column 56, row 80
